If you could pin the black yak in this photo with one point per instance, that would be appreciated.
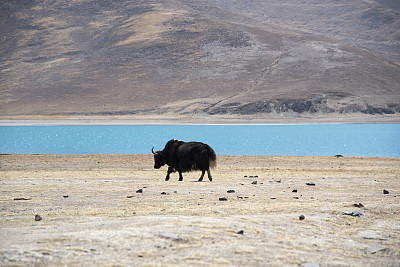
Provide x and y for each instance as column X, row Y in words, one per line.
column 185, row 157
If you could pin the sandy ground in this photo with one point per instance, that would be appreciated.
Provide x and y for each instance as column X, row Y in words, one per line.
column 92, row 212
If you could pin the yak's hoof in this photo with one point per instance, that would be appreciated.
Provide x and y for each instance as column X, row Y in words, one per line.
column 166, row 178
column 210, row 179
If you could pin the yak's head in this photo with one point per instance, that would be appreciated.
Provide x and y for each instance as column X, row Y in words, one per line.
column 158, row 159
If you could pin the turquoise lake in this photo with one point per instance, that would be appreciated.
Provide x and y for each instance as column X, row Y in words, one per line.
column 371, row 140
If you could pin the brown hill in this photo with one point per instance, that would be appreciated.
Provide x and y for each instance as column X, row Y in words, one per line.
column 211, row 58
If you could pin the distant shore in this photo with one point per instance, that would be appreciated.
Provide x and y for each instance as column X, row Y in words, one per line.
column 171, row 119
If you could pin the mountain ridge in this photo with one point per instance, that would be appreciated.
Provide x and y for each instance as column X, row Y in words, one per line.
column 215, row 57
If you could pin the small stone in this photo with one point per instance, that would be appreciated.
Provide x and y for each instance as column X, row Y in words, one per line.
column 310, row 184
column 310, row 264
column 254, row 182
column 374, row 249
column 359, row 205
column 130, row 196
column 21, row 198
column 354, row 214
column 240, row 232
column 301, row 217
column 375, row 235
column 38, row 217
column 230, row 191
column 294, row 191
column 223, row 199
column 385, row 192
column 163, row 193
column 139, row 191
column 170, row 236
column 65, row 196
column 220, row 211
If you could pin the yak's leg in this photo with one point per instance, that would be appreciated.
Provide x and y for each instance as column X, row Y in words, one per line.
column 209, row 175
column 170, row 170
column 180, row 176
column 202, row 175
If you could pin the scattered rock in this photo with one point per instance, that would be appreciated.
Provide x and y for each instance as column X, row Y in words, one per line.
column 296, row 197
column 230, row 191
column 375, row 248
column 38, row 217
column 220, row 211
column 294, row 191
column 240, row 232
column 354, row 213
column 301, row 217
column 170, row 236
column 310, row 184
column 65, row 196
column 21, row 198
column 310, row 264
column 130, row 196
column 385, row 192
column 254, row 182
column 374, row 235
column 139, row 191
column 359, row 205
column 223, row 199
column 273, row 197
column 163, row 193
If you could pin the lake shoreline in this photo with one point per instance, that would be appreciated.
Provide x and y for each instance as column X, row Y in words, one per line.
column 149, row 123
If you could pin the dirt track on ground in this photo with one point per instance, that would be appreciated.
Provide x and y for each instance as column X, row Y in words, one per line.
column 93, row 214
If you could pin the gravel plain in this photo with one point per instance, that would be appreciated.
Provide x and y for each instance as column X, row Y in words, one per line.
column 116, row 210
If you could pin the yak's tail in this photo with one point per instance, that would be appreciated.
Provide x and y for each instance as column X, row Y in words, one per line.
column 212, row 157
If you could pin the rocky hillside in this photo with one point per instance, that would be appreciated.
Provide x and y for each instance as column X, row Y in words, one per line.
column 209, row 57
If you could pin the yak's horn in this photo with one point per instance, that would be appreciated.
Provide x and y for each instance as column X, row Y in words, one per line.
column 152, row 150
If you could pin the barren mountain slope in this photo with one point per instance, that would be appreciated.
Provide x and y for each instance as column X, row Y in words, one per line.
column 174, row 57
